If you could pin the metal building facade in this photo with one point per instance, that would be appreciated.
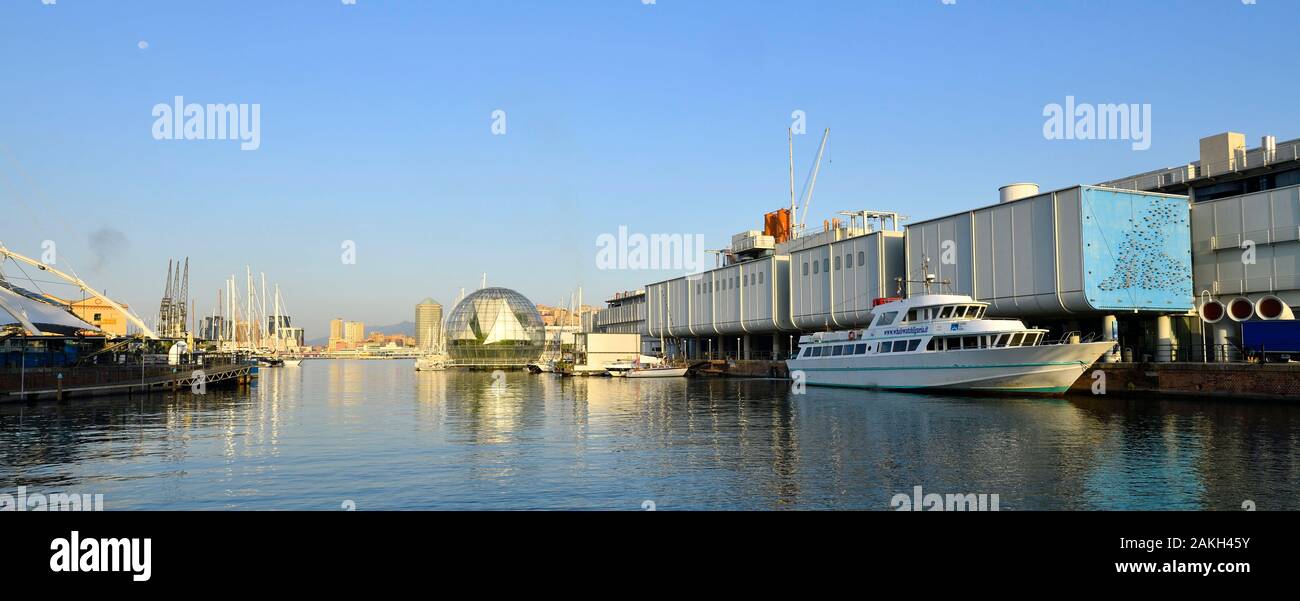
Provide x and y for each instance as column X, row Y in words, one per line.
column 1265, row 223
column 745, row 298
column 1084, row 249
column 833, row 285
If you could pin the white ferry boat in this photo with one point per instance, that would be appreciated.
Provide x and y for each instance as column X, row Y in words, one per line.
column 943, row 341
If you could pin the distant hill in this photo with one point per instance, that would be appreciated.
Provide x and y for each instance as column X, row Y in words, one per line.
column 406, row 328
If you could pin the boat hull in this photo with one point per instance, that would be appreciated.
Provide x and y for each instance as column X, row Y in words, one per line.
column 1044, row 369
column 671, row 372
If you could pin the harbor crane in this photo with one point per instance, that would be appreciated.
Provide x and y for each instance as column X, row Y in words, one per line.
column 799, row 218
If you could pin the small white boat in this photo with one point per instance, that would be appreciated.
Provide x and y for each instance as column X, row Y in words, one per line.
column 623, row 367
column 943, row 341
column 431, row 363
column 619, row 369
column 292, row 362
column 541, row 367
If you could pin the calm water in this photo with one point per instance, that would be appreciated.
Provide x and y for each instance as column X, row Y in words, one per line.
column 384, row 437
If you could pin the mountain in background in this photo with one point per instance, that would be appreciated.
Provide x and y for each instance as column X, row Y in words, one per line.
column 406, row 328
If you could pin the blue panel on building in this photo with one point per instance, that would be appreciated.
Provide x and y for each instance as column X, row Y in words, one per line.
column 1137, row 251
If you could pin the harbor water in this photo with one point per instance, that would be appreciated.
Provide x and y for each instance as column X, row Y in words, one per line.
column 375, row 435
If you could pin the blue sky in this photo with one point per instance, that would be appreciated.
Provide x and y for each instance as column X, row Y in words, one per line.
column 667, row 118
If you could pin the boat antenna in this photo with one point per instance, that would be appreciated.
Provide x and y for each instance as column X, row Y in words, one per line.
column 927, row 279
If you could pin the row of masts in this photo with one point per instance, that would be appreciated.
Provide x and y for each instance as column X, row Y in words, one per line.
column 248, row 324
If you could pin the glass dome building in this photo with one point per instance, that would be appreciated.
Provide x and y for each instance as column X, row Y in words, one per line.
column 495, row 328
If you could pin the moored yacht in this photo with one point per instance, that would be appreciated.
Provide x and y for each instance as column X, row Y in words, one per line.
column 943, row 341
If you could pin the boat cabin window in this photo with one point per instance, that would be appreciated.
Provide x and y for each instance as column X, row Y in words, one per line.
column 826, row 265
column 816, row 264
column 805, row 268
column 885, row 347
column 837, row 350
column 848, row 261
column 886, row 318
column 862, row 258
column 945, row 313
column 913, row 344
column 970, row 342
column 1016, row 339
column 911, row 315
column 860, row 350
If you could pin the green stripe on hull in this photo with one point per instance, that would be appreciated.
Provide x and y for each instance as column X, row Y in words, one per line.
column 1044, row 390
column 907, row 367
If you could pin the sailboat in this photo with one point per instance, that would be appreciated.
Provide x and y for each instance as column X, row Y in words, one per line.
column 433, row 359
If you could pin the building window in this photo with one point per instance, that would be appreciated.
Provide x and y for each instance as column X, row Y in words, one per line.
column 760, row 278
column 805, row 268
column 837, row 262
column 862, row 260
column 98, row 316
column 816, row 267
column 848, row 261
column 826, row 264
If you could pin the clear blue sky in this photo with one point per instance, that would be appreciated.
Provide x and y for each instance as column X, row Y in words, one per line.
column 671, row 117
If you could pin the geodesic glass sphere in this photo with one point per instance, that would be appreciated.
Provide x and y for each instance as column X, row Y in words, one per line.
column 495, row 328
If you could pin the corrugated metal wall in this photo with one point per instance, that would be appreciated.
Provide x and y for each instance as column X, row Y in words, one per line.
column 1269, row 219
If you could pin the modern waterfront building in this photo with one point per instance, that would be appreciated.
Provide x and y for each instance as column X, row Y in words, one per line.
column 1129, row 259
column 1115, row 263
column 428, row 323
column 625, row 313
column 1245, row 224
column 495, row 328
column 755, row 304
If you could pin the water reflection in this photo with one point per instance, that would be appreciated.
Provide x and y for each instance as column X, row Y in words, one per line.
column 387, row 437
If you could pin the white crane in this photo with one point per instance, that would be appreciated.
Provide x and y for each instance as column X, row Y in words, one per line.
column 812, row 182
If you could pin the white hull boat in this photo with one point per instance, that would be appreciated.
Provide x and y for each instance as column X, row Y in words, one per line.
column 943, row 341
column 430, row 363
column 658, row 372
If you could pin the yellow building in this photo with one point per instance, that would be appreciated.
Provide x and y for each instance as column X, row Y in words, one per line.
column 99, row 314
column 354, row 332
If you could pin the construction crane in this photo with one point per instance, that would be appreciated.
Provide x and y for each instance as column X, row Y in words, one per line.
column 812, row 182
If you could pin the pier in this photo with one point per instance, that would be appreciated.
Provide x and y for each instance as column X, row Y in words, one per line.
column 60, row 383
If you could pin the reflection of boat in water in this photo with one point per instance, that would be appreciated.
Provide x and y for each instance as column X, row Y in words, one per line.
column 293, row 362
column 943, row 341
